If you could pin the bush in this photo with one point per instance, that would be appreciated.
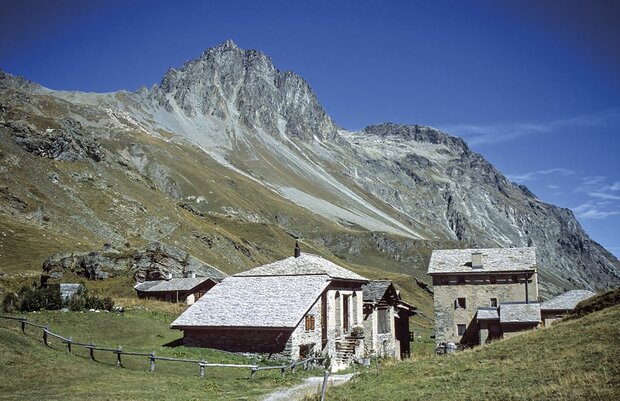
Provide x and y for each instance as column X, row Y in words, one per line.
column 37, row 298
column 10, row 302
column 84, row 300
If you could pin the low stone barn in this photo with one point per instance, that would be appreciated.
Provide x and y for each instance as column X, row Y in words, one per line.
column 386, row 320
column 187, row 289
column 559, row 306
column 291, row 308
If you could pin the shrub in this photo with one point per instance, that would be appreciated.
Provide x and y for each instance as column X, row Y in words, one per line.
column 10, row 302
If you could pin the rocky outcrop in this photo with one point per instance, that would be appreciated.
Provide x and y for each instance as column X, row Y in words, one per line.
column 67, row 143
column 156, row 262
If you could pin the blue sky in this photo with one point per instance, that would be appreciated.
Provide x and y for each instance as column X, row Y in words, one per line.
column 532, row 85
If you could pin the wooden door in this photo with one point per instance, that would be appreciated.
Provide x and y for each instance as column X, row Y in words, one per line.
column 345, row 313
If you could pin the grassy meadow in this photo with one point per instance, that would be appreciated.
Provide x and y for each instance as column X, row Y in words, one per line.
column 572, row 360
column 32, row 371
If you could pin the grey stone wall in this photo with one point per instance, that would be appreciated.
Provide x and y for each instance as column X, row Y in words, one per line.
column 478, row 293
column 239, row 340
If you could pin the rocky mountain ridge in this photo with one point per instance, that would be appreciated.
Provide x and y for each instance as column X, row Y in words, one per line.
column 393, row 190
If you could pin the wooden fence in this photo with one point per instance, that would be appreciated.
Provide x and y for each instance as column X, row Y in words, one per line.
column 119, row 352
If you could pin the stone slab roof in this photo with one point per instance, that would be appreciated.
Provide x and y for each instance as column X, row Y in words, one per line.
column 68, row 290
column 305, row 264
column 256, row 301
column 487, row 314
column 375, row 290
column 493, row 260
column 175, row 284
column 519, row 312
column 567, row 301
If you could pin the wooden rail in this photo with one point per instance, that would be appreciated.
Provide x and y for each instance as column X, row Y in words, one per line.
column 202, row 364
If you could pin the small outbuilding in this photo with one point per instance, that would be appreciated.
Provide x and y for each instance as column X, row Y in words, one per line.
column 559, row 306
column 187, row 289
column 386, row 320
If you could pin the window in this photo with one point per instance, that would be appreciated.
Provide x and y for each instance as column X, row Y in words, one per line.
column 460, row 303
column 461, row 279
column 493, row 279
column 460, row 328
column 494, row 302
column 444, row 280
column 309, row 323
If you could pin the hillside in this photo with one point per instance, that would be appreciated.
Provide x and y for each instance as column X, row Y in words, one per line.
column 572, row 360
column 229, row 158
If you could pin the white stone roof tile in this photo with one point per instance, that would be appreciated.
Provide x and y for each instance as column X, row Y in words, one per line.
column 303, row 265
column 258, row 301
column 487, row 314
column 175, row 284
column 519, row 312
column 493, row 260
column 567, row 301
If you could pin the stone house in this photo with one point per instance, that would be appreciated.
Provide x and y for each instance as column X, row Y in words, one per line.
column 186, row 289
column 559, row 306
column 386, row 320
column 292, row 308
column 483, row 294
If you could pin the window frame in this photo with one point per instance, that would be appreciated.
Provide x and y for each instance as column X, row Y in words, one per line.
column 459, row 327
column 493, row 302
column 310, row 323
column 460, row 305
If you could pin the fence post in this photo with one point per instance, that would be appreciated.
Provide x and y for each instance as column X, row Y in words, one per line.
column 152, row 358
column 253, row 374
column 45, row 334
column 325, row 376
column 118, row 353
column 282, row 370
column 69, row 340
column 202, row 368
column 92, row 350
column 23, row 325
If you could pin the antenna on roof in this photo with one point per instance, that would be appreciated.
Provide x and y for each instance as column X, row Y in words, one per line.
column 297, row 250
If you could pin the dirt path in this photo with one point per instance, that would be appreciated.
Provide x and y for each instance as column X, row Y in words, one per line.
column 311, row 385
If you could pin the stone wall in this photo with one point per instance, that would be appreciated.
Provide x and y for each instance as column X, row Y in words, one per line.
column 477, row 292
column 269, row 341
column 302, row 337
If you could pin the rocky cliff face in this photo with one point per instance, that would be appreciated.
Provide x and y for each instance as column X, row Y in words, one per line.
column 389, row 190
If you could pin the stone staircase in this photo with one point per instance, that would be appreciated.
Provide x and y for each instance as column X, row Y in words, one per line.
column 345, row 350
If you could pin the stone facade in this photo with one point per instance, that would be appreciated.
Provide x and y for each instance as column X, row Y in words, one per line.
column 460, row 290
column 477, row 291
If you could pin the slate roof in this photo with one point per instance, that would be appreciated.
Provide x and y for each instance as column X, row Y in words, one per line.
column 487, row 314
column 68, row 290
column 258, row 301
column 175, row 284
column 519, row 312
column 567, row 301
column 305, row 264
column 493, row 260
column 375, row 290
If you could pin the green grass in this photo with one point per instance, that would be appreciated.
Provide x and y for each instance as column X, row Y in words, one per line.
column 32, row 371
column 572, row 360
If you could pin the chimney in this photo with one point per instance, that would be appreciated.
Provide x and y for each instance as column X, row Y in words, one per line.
column 192, row 274
column 476, row 260
column 169, row 276
column 297, row 250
